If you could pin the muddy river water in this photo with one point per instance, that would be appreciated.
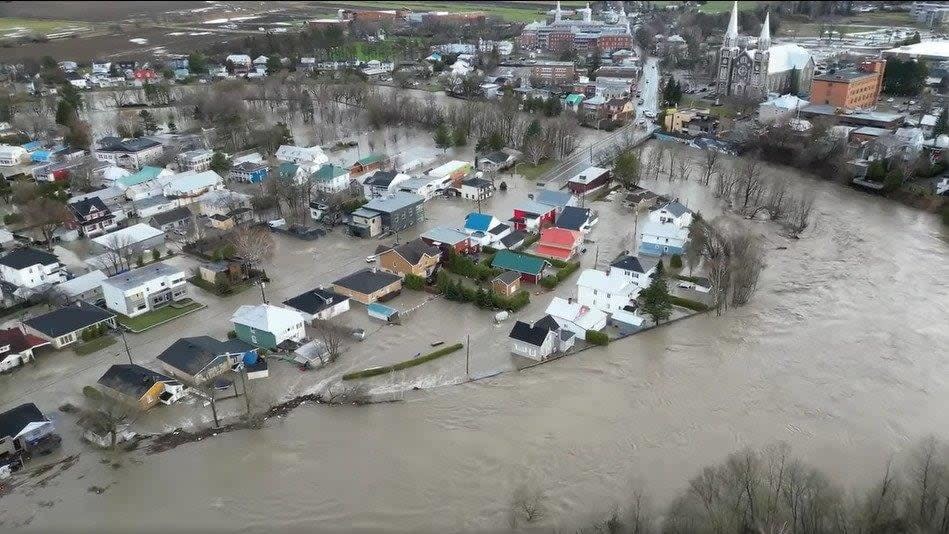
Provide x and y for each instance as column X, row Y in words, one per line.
column 841, row 354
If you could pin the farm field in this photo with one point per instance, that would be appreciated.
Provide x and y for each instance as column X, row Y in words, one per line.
column 512, row 11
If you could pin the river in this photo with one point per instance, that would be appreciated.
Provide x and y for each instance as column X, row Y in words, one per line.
column 841, row 354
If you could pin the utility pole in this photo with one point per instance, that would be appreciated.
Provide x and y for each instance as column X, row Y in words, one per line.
column 263, row 296
column 126, row 343
column 244, row 386
column 596, row 257
column 468, row 357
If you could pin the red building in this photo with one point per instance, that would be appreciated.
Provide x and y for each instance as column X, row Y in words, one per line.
column 531, row 216
column 590, row 179
column 614, row 42
column 145, row 74
column 558, row 243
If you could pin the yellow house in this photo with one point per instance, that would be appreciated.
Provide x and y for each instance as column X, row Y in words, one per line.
column 137, row 386
column 415, row 257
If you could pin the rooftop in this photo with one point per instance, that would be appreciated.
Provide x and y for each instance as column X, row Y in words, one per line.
column 22, row 258
column 315, row 300
column 68, row 319
column 394, row 202
column 367, row 281
column 136, row 277
column 128, row 236
column 130, row 379
column 193, row 354
column 79, row 285
column 522, row 263
column 14, row 420
column 266, row 317
column 843, row 75
column 441, row 234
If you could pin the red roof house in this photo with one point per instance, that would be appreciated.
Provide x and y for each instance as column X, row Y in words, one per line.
column 16, row 348
column 558, row 243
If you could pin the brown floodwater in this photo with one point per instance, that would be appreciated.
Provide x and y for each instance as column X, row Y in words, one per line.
column 841, row 354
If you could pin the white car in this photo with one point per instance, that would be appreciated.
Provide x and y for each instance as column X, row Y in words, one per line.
column 890, row 100
column 371, row 258
column 650, row 114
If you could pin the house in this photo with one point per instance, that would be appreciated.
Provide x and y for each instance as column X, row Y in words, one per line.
column 195, row 160
column 381, row 183
column 454, row 170
column 394, row 213
column 179, row 219
column 369, row 285
column 494, row 161
column 609, row 292
column 16, row 348
column 506, row 283
column 531, row 268
column 148, row 207
column 133, row 240
column 11, row 156
column 113, row 198
column 268, row 326
column 65, row 325
column 531, row 216
column 367, row 164
column 779, row 108
column 92, row 216
column 415, row 257
column 137, row 386
column 589, row 180
column 690, row 121
column 449, row 238
column 540, row 340
column 485, row 230
column 425, row 186
column 312, row 156
column 477, row 189
column 197, row 360
column 637, row 269
column 512, row 241
column 319, row 304
column 145, row 289
column 154, row 177
column 190, row 184
column 129, row 153
column 557, row 199
column 577, row 219
column 24, row 429
column 666, row 231
column 576, row 317
column 87, row 287
column 559, row 243
column 239, row 61
column 249, row 172
column 331, row 178
column 29, row 267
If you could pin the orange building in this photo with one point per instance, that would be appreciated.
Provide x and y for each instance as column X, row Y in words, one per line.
column 850, row 89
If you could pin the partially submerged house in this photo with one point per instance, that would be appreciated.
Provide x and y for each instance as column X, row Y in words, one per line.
column 666, row 231
column 269, row 327
column 65, row 325
column 576, row 317
column 197, row 360
column 319, row 304
column 23, row 430
column 540, row 340
column 415, row 257
column 589, row 180
column 393, row 213
column 559, row 243
column 138, row 386
column 16, row 348
column 145, row 289
column 530, row 268
column 369, row 285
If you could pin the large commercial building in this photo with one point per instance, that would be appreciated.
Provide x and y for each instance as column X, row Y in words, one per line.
column 553, row 73
column 850, row 89
column 584, row 34
column 928, row 51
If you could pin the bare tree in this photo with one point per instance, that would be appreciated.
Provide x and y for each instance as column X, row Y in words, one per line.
column 105, row 415
column 46, row 215
column 118, row 253
column 253, row 245
column 332, row 336
column 527, row 504
column 710, row 164
column 747, row 261
column 798, row 216
column 749, row 186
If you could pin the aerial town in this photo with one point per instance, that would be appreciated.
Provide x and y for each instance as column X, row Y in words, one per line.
column 624, row 264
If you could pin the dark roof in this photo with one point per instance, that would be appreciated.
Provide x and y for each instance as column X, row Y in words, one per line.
column 495, row 157
column 170, row 216
column 507, row 277
column 499, row 229
column 82, row 208
column 366, row 281
column 479, row 183
column 572, row 218
column 843, row 75
column 130, row 379
column 535, row 335
column 315, row 300
column 193, row 354
column 547, row 322
column 68, row 319
column 130, row 145
column 514, row 238
column 15, row 420
column 248, row 166
column 22, row 258
column 675, row 208
column 381, row 178
column 633, row 263
column 413, row 251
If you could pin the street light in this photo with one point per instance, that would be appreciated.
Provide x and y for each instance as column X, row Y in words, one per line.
column 262, row 285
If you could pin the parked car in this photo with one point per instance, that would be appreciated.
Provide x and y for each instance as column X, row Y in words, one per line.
column 371, row 258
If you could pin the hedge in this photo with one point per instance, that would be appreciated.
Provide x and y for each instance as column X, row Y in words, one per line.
column 693, row 279
column 468, row 268
column 413, row 282
column 675, row 261
column 551, row 281
column 688, row 303
column 375, row 371
column 597, row 338
column 484, row 299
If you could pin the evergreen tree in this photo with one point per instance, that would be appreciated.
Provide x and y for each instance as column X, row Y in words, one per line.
column 148, row 121
column 273, row 64
column 655, row 300
column 70, row 94
column 220, row 163
column 65, row 113
column 626, row 169
column 942, row 122
column 442, row 137
column 460, row 138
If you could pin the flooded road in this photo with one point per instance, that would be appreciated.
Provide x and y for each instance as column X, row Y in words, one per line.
column 841, row 354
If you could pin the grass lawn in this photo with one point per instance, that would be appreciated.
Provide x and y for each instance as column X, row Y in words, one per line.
column 718, row 6
column 143, row 322
column 38, row 25
column 512, row 11
column 688, row 101
column 532, row 172
column 96, row 344
column 211, row 288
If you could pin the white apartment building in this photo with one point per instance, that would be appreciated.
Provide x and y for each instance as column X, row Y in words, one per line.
column 30, row 268
column 145, row 289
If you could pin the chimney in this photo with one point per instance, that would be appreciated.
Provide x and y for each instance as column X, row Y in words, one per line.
column 569, row 300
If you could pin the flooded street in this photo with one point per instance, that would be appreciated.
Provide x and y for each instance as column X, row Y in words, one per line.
column 841, row 354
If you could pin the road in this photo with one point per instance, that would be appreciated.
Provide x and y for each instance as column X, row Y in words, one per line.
column 588, row 155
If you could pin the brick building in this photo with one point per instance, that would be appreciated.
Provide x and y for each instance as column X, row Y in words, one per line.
column 850, row 89
column 554, row 73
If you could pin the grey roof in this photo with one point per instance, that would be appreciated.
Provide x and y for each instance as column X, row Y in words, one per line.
column 315, row 300
column 68, row 319
column 193, row 354
column 149, row 202
column 636, row 264
column 414, row 250
column 22, row 258
column 547, row 322
column 132, row 380
column 248, row 166
column 170, row 216
column 13, row 421
column 130, row 145
column 393, row 202
column 137, row 277
column 533, row 206
column 499, row 229
column 550, row 197
column 496, row 156
column 535, row 335
column 507, row 277
column 479, row 183
column 442, row 234
column 366, row 281
column 676, row 208
column 513, row 239
column 381, row 178
column 843, row 75
column 573, row 218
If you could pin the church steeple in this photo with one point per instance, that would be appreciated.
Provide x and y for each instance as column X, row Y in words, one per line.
column 764, row 40
column 557, row 13
column 731, row 34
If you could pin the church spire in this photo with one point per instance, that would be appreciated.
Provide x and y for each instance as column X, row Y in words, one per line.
column 764, row 40
column 731, row 34
column 557, row 13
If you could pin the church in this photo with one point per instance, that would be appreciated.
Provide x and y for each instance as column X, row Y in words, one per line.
column 755, row 68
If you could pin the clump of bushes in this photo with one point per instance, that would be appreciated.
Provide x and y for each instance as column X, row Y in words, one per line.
column 675, row 261
column 688, row 303
column 93, row 332
column 413, row 282
column 566, row 269
column 464, row 266
column 458, row 292
column 597, row 338
column 12, row 218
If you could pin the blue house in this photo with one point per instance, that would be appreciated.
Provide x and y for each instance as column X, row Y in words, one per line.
column 41, row 156
column 249, row 172
column 480, row 222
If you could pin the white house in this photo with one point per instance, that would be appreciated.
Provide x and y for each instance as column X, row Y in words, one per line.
column 576, row 317
column 191, row 184
column 195, row 160
column 604, row 291
column 780, row 107
column 313, row 155
column 331, row 178
column 239, row 60
column 425, row 186
column 30, row 268
column 145, row 289
column 540, row 340
column 86, row 287
column 268, row 326
column 319, row 304
column 477, row 189
column 666, row 231
column 16, row 348
column 129, row 153
column 637, row 269
column 12, row 155
column 381, row 183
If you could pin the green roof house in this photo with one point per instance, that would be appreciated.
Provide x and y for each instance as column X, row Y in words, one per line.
column 531, row 268
column 331, row 178
column 145, row 174
column 369, row 163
